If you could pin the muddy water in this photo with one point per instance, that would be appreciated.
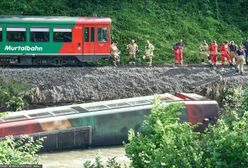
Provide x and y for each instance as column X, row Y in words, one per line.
column 75, row 159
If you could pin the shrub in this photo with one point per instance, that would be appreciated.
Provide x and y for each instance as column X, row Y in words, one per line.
column 164, row 141
column 11, row 95
column 225, row 145
column 15, row 103
column 245, row 100
column 21, row 151
column 111, row 163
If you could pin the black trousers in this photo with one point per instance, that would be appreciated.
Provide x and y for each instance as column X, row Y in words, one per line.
column 246, row 59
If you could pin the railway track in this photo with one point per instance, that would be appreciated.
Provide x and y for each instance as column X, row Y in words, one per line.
column 85, row 65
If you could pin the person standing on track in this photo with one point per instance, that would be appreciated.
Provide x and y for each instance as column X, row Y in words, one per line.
column 204, row 53
column 149, row 52
column 178, row 52
column 115, row 53
column 246, row 51
column 213, row 52
column 233, row 50
column 225, row 53
column 132, row 49
column 240, row 60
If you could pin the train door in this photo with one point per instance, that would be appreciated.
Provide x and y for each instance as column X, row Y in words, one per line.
column 102, row 40
column 89, row 42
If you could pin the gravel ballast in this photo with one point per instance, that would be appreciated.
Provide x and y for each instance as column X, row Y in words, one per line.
column 60, row 85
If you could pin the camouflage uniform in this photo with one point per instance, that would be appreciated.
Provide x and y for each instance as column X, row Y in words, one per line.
column 132, row 49
column 233, row 50
column 240, row 60
column 115, row 54
column 204, row 51
column 149, row 52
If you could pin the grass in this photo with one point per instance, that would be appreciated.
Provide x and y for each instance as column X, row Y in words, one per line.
column 162, row 22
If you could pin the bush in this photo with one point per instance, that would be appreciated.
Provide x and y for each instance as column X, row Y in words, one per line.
column 245, row 100
column 21, row 151
column 111, row 163
column 15, row 103
column 225, row 145
column 164, row 141
column 11, row 95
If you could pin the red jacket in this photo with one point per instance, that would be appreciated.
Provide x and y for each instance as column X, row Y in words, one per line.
column 224, row 48
column 213, row 48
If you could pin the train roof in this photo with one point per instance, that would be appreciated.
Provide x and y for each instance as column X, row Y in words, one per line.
column 54, row 19
column 88, row 108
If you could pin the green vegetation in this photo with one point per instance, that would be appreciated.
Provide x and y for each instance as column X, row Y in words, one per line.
column 11, row 98
column 111, row 163
column 21, row 151
column 163, row 22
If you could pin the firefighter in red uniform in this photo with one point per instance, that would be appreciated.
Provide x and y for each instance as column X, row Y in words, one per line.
column 213, row 52
column 178, row 52
column 225, row 53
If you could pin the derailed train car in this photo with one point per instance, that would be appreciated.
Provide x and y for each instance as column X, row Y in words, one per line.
column 100, row 123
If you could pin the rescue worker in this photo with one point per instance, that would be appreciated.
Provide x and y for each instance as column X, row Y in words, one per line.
column 115, row 53
column 246, row 51
column 240, row 60
column 178, row 52
column 204, row 52
column 132, row 49
column 148, row 52
column 213, row 52
column 233, row 50
column 225, row 53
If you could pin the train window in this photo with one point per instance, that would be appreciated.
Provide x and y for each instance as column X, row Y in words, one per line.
column 119, row 105
column 63, row 112
column 40, row 115
column 96, row 108
column 79, row 109
column 39, row 34
column 92, row 39
column 86, row 34
column 62, row 35
column 15, row 118
column 16, row 34
column 102, row 34
column 140, row 102
column 1, row 34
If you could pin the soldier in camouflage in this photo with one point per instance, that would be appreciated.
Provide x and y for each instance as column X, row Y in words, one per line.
column 132, row 49
column 115, row 53
column 240, row 60
column 204, row 51
column 148, row 52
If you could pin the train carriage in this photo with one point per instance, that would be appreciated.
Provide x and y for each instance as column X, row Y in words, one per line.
column 26, row 40
column 100, row 123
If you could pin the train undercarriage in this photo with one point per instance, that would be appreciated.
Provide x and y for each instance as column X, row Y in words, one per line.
column 49, row 60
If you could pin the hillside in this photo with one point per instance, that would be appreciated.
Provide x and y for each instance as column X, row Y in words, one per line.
column 164, row 23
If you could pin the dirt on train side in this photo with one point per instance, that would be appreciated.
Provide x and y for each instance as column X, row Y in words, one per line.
column 60, row 85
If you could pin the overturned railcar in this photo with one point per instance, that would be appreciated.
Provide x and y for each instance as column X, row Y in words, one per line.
column 100, row 123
